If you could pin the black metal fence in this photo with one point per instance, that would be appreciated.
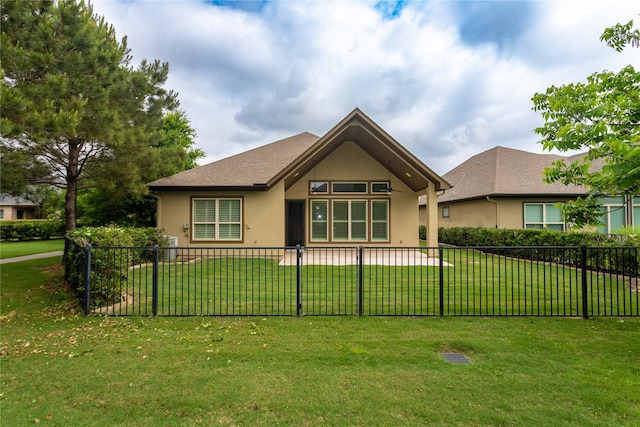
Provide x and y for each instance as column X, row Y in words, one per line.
column 365, row 281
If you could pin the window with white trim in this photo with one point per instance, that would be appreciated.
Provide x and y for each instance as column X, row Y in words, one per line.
column 217, row 219
column 349, row 220
column 380, row 220
column 615, row 214
column 543, row 215
column 348, row 187
column 636, row 212
column 319, row 221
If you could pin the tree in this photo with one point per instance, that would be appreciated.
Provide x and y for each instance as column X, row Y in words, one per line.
column 601, row 116
column 73, row 109
column 173, row 152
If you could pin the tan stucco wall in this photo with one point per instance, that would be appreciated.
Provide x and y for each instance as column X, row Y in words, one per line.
column 475, row 213
column 350, row 163
column 501, row 212
column 264, row 211
column 263, row 221
column 11, row 212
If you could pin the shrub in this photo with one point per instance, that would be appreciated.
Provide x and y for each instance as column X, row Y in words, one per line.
column 25, row 229
column 422, row 232
column 116, row 250
column 619, row 253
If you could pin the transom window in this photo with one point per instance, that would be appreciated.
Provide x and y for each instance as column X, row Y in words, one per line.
column 217, row 219
column 543, row 215
column 349, row 187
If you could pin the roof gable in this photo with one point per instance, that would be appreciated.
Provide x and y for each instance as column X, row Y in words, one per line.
column 502, row 171
column 293, row 157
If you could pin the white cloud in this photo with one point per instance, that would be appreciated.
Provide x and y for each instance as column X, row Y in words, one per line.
column 246, row 78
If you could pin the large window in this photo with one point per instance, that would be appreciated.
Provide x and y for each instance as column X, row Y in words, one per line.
column 350, row 220
column 615, row 215
column 543, row 215
column 636, row 212
column 217, row 219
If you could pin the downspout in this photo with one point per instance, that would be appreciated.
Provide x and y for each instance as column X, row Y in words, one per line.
column 489, row 199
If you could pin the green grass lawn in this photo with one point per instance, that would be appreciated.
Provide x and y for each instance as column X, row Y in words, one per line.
column 15, row 249
column 474, row 284
column 60, row 368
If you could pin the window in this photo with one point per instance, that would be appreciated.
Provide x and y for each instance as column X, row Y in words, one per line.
column 319, row 221
column 543, row 215
column 636, row 212
column 217, row 219
column 445, row 212
column 615, row 215
column 20, row 214
column 349, row 187
column 350, row 220
column 380, row 220
column 319, row 186
column 380, row 187
column 1, row 213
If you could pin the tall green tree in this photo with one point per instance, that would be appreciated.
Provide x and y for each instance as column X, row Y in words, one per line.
column 74, row 110
column 173, row 152
column 601, row 116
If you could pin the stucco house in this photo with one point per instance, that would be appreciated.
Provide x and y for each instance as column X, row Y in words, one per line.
column 16, row 208
column 504, row 188
column 355, row 185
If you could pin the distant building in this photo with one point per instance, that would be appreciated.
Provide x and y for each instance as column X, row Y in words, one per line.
column 16, row 208
column 504, row 188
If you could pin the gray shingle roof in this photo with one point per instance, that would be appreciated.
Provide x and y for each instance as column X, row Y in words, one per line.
column 290, row 158
column 503, row 171
column 247, row 169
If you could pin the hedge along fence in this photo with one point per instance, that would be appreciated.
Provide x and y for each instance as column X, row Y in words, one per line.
column 107, row 267
column 625, row 262
column 25, row 229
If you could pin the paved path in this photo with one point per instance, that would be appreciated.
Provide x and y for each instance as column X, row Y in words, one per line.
column 30, row 257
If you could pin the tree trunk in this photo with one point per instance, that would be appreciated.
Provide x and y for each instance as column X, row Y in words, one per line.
column 70, row 204
column 72, row 177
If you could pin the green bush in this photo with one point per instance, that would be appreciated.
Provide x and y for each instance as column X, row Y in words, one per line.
column 26, row 229
column 618, row 254
column 114, row 251
column 422, row 232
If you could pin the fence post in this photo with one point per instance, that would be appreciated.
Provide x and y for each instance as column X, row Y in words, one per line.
column 298, row 280
column 360, row 282
column 441, row 279
column 87, row 278
column 583, row 266
column 154, row 284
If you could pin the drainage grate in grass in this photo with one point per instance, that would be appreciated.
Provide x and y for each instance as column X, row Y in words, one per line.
column 455, row 358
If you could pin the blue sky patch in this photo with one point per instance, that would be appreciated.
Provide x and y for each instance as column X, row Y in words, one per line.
column 245, row 5
column 390, row 9
column 495, row 22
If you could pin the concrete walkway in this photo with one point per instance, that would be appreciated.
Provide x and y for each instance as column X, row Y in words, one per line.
column 30, row 257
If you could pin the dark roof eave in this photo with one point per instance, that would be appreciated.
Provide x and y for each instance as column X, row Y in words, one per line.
column 515, row 195
column 254, row 187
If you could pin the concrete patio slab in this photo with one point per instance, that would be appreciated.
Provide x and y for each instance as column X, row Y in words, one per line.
column 370, row 256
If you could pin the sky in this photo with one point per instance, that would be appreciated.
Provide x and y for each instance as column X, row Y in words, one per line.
column 446, row 79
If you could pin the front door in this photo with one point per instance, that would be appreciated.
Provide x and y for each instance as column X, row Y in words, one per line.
column 295, row 222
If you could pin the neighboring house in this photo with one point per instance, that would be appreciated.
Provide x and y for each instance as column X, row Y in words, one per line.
column 354, row 185
column 504, row 188
column 16, row 208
